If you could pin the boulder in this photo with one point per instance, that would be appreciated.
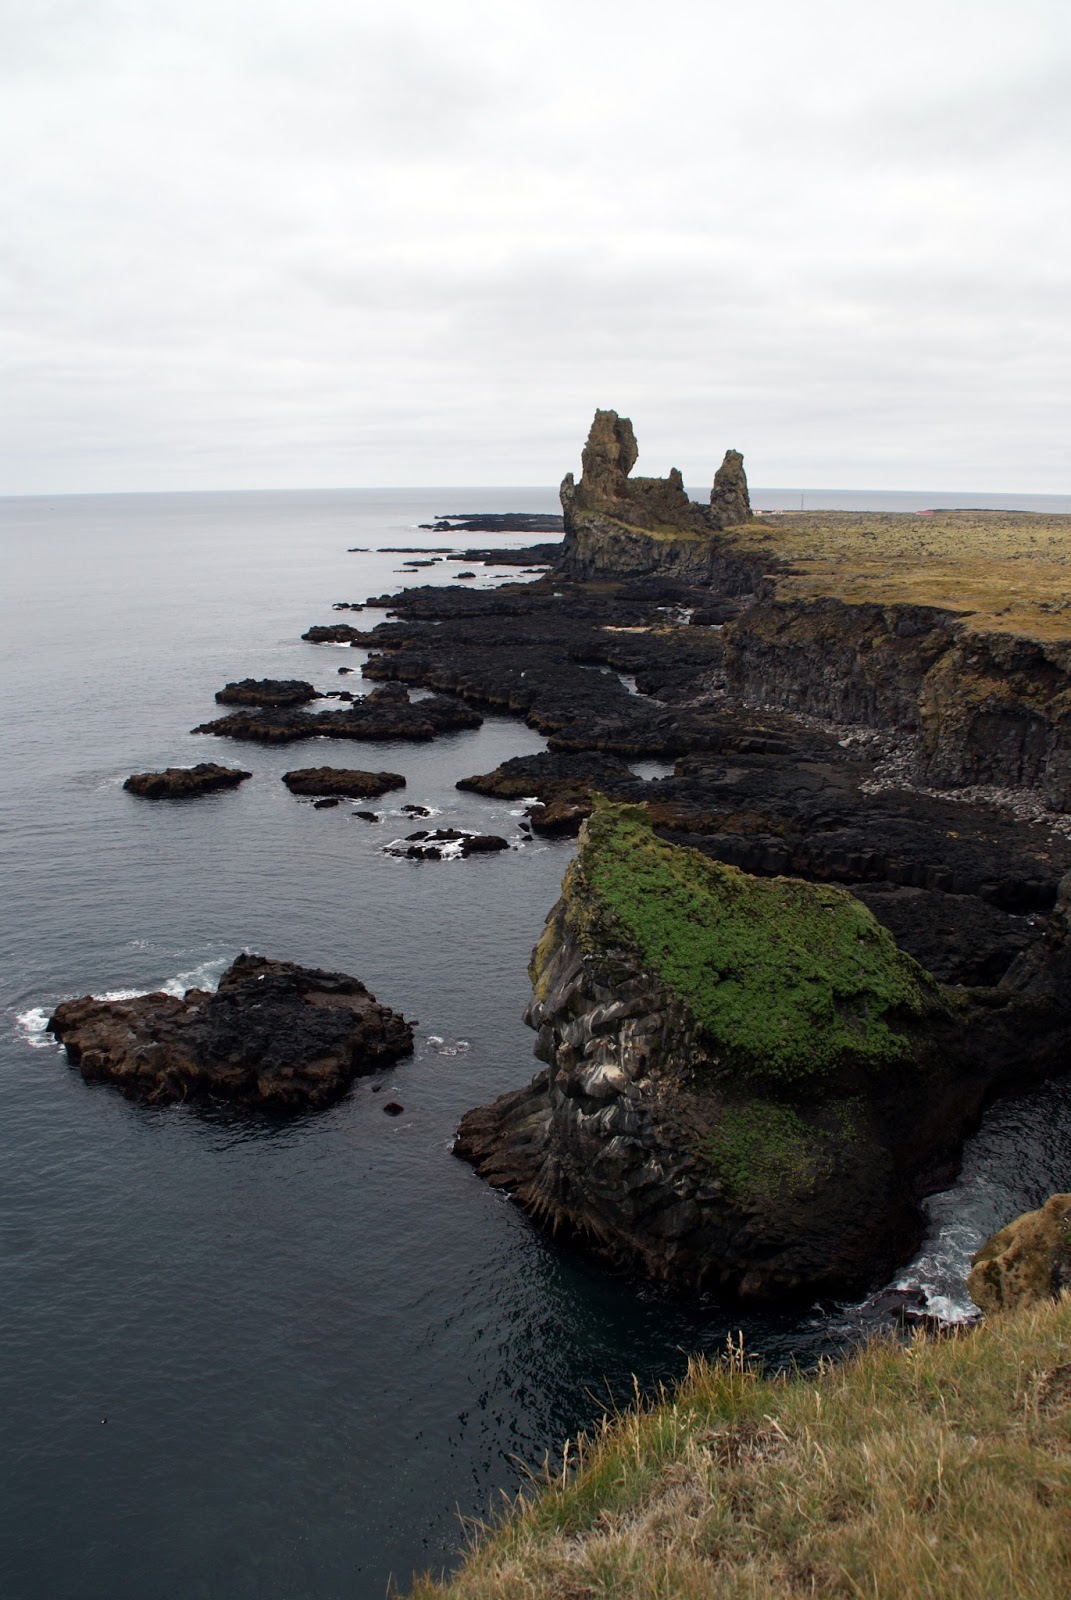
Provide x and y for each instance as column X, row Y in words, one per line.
column 1026, row 1262
column 343, row 783
column 274, row 1035
column 185, row 783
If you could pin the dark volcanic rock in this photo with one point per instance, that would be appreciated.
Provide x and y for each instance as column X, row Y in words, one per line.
column 445, row 844
column 338, row 633
column 748, row 1088
column 496, row 522
column 342, row 782
column 387, row 713
column 184, row 783
column 266, row 692
column 730, row 502
column 605, row 487
column 275, row 1035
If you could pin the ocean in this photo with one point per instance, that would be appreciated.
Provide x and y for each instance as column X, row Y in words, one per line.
column 248, row 1358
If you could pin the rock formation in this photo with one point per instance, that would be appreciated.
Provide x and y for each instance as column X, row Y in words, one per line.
column 606, row 489
column 616, row 524
column 386, row 713
column 445, row 844
column 730, row 503
column 185, row 783
column 274, row 1035
column 342, row 782
column 748, row 1086
column 1028, row 1261
column 266, row 692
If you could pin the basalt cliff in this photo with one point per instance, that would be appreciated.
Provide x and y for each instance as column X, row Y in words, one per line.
column 748, row 1085
column 950, row 631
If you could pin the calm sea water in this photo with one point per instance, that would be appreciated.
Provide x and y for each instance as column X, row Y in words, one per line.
column 316, row 1343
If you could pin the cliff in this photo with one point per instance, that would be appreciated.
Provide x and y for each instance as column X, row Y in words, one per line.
column 941, row 1469
column 953, row 629
column 748, row 1086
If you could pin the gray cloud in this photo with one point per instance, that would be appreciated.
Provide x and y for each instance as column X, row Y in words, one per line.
column 263, row 244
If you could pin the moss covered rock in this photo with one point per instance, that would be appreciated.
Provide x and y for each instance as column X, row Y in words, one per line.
column 748, row 1085
column 1026, row 1262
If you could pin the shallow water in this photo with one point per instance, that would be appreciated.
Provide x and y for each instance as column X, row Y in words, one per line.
column 314, row 1342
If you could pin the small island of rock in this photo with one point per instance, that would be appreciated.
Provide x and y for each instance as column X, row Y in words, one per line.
column 274, row 1035
column 185, row 783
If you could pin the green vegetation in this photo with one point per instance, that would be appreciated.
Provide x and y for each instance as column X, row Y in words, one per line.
column 940, row 1471
column 1003, row 571
column 763, row 1150
column 789, row 980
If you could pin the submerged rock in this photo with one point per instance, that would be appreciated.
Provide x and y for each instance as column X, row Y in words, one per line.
column 1028, row 1261
column 185, row 783
column 445, row 844
column 748, row 1085
column 339, row 633
column 274, row 1034
column 344, row 783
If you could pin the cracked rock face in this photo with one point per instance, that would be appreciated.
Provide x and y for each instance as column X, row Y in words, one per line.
column 730, row 503
column 678, row 1130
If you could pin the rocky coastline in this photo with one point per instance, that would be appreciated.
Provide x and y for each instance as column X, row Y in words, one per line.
column 855, row 733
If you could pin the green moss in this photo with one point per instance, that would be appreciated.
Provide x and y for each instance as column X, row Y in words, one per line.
column 762, row 1151
column 787, row 978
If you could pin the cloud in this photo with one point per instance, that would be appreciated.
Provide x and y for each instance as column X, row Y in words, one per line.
column 258, row 244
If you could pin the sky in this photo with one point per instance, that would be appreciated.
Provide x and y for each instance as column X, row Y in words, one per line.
column 264, row 244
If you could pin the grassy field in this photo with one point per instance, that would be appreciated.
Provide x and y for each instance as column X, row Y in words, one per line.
column 939, row 1471
column 1004, row 571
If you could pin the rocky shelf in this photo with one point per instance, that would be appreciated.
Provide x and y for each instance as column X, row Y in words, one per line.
column 274, row 1035
column 342, row 782
column 386, row 713
column 185, row 783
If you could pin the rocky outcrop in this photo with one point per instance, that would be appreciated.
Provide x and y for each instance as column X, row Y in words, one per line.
column 748, row 1086
column 730, row 503
column 1026, row 1262
column 617, row 525
column 343, row 782
column 339, row 633
column 185, row 783
column 386, row 713
column 266, row 692
column 274, row 1035
column 445, row 844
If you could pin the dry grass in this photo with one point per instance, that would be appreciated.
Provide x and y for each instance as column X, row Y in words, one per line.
column 1006, row 571
column 940, row 1471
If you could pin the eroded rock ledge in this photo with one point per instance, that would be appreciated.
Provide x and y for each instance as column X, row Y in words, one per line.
column 274, row 1035
column 748, row 1087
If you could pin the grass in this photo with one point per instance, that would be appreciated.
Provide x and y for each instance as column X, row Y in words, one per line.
column 761, row 1150
column 939, row 1471
column 1003, row 571
column 789, row 979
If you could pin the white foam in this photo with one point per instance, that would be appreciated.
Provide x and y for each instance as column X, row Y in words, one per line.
column 31, row 1025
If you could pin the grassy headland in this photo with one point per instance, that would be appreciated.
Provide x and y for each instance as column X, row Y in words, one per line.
column 939, row 1471
column 1005, row 571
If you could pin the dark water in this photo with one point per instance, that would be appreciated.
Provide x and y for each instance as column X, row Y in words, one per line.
column 314, row 1342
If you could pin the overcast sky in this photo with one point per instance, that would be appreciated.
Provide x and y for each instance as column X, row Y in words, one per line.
column 263, row 243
